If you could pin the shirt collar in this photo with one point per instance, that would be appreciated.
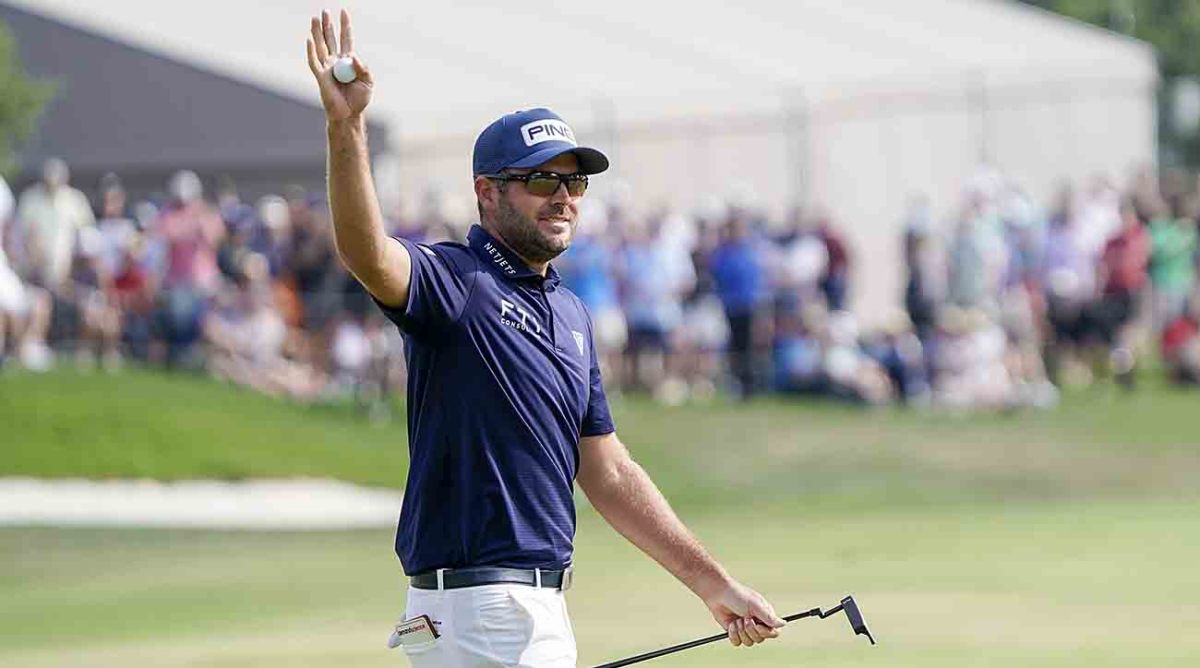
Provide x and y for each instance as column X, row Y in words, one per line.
column 508, row 263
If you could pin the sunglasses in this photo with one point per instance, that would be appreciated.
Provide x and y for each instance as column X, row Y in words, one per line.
column 545, row 184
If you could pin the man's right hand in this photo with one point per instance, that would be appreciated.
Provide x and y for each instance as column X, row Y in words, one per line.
column 380, row 263
column 341, row 101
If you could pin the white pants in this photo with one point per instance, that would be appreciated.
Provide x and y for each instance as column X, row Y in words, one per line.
column 493, row 626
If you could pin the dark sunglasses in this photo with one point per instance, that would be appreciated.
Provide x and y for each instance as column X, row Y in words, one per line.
column 545, row 184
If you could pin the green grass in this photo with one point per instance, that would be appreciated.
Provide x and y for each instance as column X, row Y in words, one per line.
column 1099, row 584
column 147, row 424
column 144, row 424
column 1066, row 538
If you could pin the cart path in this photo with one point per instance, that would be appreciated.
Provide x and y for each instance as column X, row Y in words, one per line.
column 299, row 504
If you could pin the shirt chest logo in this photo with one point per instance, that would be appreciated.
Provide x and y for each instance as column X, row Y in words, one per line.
column 578, row 340
column 518, row 318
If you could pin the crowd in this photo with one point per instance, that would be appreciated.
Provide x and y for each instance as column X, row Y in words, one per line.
column 1002, row 303
column 249, row 293
column 1014, row 302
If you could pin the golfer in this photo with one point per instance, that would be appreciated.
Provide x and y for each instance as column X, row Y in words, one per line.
column 506, row 407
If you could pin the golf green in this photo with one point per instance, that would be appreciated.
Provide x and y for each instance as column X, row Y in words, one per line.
column 1095, row 584
column 1064, row 538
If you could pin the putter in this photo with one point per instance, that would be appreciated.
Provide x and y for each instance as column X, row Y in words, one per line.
column 847, row 605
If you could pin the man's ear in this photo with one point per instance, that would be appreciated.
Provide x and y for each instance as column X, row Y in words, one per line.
column 487, row 193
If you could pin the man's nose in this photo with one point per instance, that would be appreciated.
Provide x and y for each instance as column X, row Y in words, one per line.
column 560, row 193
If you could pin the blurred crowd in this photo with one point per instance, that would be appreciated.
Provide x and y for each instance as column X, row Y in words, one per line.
column 1011, row 302
column 1003, row 302
column 251, row 293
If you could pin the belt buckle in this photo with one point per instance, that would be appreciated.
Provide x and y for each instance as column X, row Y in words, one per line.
column 568, row 577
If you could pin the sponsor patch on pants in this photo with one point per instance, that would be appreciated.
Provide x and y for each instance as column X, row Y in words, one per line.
column 413, row 632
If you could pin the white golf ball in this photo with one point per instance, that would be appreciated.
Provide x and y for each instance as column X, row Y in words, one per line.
column 343, row 70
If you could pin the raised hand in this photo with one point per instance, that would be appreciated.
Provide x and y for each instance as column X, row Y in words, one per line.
column 341, row 101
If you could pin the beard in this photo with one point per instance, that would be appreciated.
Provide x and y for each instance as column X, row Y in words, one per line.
column 522, row 235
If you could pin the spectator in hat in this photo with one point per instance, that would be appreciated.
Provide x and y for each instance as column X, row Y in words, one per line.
column 192, row 230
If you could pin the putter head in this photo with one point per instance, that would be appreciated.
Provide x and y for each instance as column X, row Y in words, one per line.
column 856, row 619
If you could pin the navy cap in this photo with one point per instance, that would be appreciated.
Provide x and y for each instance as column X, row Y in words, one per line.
column 528, row 138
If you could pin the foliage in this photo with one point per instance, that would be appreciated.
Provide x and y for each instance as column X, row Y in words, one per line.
column 1171, row 26
column 22, row 100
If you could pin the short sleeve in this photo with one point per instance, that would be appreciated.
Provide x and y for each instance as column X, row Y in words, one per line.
column 598, row 418
column 438, row 289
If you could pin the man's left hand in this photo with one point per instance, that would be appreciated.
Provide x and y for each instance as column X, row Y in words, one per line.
column 745, row 614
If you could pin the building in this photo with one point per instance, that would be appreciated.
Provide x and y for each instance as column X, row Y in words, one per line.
column 855, row 105
column 143, row 114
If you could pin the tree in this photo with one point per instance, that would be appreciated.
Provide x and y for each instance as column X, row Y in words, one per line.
column 1171, row 26
column 22, row 101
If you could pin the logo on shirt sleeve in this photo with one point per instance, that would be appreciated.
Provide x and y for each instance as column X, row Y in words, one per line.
column 578, row 340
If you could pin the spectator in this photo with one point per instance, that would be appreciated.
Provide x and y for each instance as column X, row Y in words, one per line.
column 92, row 301
column 1069, row 280
column 1172, row 259
column 654, row 305
column 1099, row 212
column 247, row 338
column 802, row 262
column 24, row 309
column 117, row 230
column 971, row 370
column 738, row 267
column 49, row 217
column 312, row 262
column 853, row 374
column 835, row 283
column 275, row 214
column 1181, row 347
column 977, row 257
column 1123, row 267
column 898, row 350
column 588, row 269
column 705, row 330
column 924, row 287
column 134, row 291
column 193, row 231
column 798, row 355
column 1022, row 304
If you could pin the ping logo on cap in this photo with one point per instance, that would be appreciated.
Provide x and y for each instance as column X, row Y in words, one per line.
column 548, row 129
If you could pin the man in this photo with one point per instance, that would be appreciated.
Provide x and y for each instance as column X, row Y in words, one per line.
column 506, row 405
column 192, row 231
column 49, row 217
column 1122, row 277
column 739, row 270
column 24, row 309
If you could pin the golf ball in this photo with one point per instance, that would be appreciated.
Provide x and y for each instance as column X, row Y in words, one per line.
column 343, row 70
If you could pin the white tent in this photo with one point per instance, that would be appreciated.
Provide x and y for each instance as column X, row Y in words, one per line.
column 854, row 104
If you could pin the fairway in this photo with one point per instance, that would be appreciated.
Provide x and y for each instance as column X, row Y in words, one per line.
column 1067, row 538
column 1109, row 584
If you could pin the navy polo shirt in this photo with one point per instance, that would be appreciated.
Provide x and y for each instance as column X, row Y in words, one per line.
column 503, row 381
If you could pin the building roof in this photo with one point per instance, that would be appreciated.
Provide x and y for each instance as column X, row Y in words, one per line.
column 133, row 110
column 450, row 67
